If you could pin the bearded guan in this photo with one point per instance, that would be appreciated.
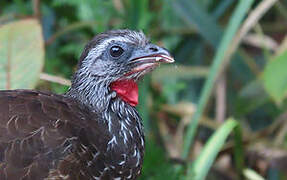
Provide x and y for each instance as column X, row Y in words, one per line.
column 93, row 131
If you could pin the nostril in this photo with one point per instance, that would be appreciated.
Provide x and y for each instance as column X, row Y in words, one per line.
column 153, row 49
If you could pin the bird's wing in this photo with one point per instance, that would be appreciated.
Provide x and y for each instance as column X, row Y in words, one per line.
column 37, row 134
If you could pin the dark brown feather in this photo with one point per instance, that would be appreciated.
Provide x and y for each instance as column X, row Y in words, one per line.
column 33, row 133
column 49, row 136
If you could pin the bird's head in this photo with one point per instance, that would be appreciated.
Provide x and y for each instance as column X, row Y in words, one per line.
column 113, row 62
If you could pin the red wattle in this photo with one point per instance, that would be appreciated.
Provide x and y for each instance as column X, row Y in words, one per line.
column 127, row 90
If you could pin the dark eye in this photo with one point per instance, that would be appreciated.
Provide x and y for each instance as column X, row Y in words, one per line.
column 116, row 51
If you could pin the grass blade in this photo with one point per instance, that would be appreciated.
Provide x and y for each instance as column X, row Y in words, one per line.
column 274, row 78
column 236, row 19
column 251, row 174
column 238, row 151
column 199, row 169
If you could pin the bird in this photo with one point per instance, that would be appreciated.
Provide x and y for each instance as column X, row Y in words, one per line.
column 91, row 132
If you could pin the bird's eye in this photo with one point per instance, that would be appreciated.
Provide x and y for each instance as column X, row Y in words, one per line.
column 116, row 51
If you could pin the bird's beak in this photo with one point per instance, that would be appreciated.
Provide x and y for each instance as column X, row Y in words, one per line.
column 149, row 58
column 159, row 57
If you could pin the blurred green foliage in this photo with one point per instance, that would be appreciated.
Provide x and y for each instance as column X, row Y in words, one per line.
column 192, row 30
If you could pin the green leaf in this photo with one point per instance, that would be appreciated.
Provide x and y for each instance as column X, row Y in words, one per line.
column 275, row 77
column 138, row 14
column 250, row 97
column 202, row 164
column 91, row 10
column 21, row 54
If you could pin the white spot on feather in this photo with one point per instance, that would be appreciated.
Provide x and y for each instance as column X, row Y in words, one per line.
column 112, row 142
column 131, row 134
column 125, row 137
column 121, row 163
column 96, row 178
column 123, row 126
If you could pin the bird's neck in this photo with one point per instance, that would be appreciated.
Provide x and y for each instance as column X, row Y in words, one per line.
column 94, row 93
column 98, row 92
column 121, row 118
column 118, row 99
column 122, row 121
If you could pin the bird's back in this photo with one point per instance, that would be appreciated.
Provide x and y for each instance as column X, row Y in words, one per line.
column 38, row 133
